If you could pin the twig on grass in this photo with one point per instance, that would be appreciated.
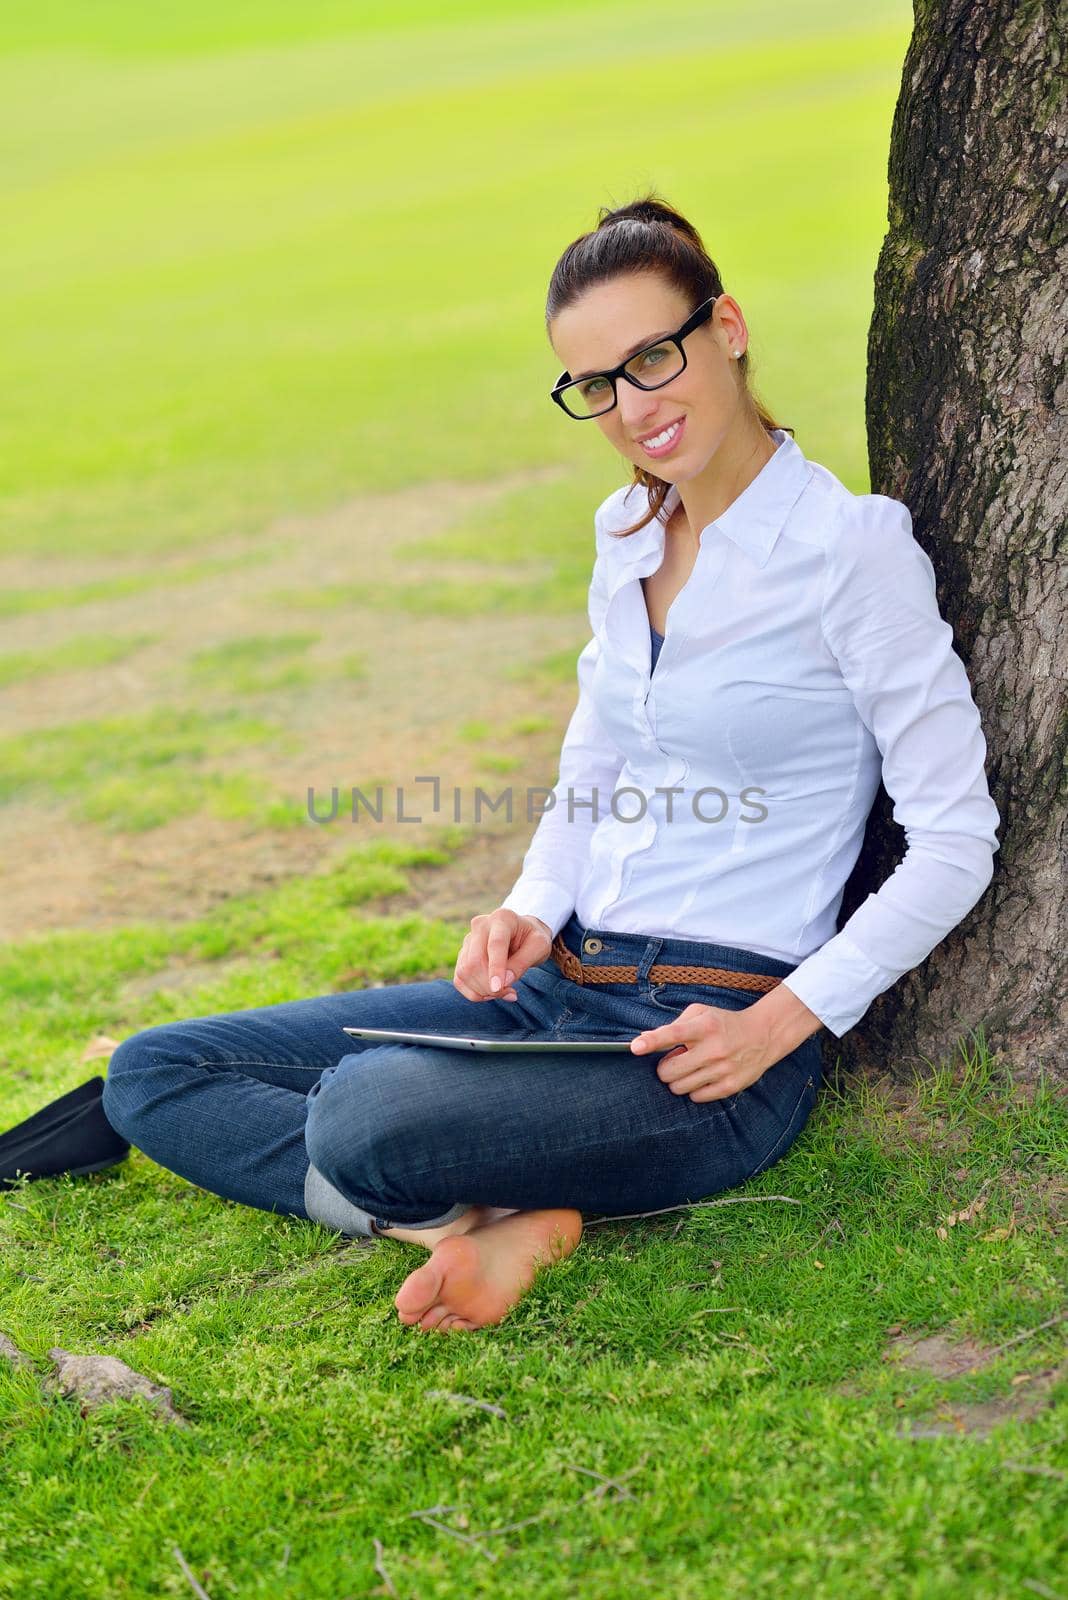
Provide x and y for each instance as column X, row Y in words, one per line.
column 834, row 1223
column 1042, row 1589
column 594, row 1292
column 609, row 1483
column 145, row 1490
column 1037, row 1468
column 1028, row 1333
column 696, row 1205
column 468, row 1400
column 344, row 1248
column 313, row 1316
column 598, row 1492
column 465, row 1538
column 201, row 1594
column 380, row 1568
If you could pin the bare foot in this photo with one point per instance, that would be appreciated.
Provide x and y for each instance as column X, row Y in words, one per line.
column 475, row 1278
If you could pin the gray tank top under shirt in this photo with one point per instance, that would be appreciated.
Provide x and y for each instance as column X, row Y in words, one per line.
column 656, row 640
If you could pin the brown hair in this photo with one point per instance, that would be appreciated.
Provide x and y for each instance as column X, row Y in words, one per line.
column 646, row 235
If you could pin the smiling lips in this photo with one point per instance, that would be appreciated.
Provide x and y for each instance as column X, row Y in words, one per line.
column 662, row 443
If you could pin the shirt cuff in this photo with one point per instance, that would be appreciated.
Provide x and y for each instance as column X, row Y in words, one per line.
column 838, row 983
column 541, row 898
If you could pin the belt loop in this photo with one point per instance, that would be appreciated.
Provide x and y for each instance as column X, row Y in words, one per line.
column 648, row 958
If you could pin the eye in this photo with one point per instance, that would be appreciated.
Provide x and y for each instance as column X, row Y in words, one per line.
column 590, row 388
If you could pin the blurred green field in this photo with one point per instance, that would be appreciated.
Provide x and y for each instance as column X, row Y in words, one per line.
column 259, row 258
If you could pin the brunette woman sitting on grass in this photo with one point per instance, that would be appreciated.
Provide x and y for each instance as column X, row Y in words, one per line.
column 765, row 645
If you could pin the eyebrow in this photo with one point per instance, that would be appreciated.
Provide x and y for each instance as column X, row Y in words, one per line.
column 633, row 351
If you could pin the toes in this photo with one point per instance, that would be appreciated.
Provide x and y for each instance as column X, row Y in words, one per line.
column 418, row 1291
column 435, row 1316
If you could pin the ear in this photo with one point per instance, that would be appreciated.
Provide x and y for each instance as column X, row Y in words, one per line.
column 728, row 324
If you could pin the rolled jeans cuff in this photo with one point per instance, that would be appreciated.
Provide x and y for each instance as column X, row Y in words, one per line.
column 329, row 1206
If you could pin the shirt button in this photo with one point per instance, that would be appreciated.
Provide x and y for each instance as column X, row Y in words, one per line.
column 591, row 946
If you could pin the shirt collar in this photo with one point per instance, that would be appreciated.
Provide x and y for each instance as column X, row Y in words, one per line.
column 756, row 517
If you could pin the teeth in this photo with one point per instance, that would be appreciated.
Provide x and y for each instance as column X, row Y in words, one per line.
column 662, row 438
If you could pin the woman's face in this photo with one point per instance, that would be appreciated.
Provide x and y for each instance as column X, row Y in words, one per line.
column 612, row 320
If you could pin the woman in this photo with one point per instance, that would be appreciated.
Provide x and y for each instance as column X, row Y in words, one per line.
column 680, row 893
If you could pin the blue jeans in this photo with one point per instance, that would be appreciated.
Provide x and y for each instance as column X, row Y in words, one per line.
column 277, row 1108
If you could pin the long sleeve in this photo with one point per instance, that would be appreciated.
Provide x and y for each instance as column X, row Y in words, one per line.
column 895, row 651
column 589, row 761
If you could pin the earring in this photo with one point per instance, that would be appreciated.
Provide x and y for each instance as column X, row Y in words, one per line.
column 736, row 354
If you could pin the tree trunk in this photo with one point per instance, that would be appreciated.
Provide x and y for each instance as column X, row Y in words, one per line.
column 966, row 404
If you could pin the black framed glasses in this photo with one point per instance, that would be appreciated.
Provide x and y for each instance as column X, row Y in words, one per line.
column 650, row 368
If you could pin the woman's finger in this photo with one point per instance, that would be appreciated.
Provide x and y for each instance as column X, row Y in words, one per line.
column 498, row 945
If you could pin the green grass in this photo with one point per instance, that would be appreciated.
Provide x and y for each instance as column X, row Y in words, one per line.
column 557, row 667
column 499, row 763
column 763, row 1445
column 17, row 602
column 132, row 771
column 354, row 665
column 449, row 597
column 87, row 650
column 255, row 664
column 138, row 802
column 261, row 664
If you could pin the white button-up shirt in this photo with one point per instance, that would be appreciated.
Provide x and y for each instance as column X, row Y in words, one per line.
column 724, row 797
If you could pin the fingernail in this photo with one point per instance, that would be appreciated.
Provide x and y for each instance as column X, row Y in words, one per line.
column 510, row 976
column 639, row 1044
column 495, row 983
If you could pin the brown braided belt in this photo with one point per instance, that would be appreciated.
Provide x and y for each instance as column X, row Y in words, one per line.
column 573, row 968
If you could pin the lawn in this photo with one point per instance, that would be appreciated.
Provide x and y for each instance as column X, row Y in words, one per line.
column 757, row 1376
column 283, row 503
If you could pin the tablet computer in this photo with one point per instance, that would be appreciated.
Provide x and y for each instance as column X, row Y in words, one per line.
column 448, row 1041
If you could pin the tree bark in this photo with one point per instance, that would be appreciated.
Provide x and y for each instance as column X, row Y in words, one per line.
column 966, row 405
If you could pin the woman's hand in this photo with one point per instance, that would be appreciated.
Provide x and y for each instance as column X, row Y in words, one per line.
column 497, row 952
column 719, row 1052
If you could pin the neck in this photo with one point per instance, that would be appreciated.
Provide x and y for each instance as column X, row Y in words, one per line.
column 745, row 449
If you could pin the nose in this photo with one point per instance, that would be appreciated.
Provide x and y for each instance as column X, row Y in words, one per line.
column 637, row 408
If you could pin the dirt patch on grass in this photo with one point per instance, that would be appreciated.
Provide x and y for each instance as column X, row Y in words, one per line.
column 981, row 1417
column 423, row 677
column 938, row 1354
column 949, row 1356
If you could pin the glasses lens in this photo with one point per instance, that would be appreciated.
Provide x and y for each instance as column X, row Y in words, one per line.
column 649, row 368
column 657, row 365
column 589, row 397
